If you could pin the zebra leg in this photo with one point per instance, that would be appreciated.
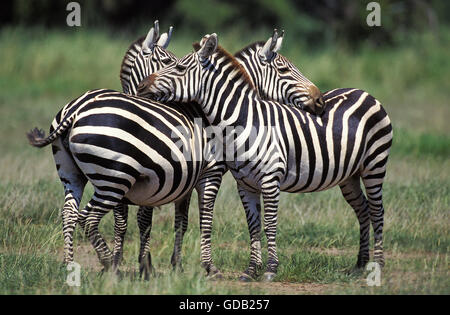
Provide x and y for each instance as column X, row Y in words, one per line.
column 120, row 229
column 207, row 193
column 180, row 226
column 89, row 219
column 144, row 218
column 69, row 220
column 376, row 212
column 353, row 194
column 74, row 182
column 271, row 196
column 252, row 206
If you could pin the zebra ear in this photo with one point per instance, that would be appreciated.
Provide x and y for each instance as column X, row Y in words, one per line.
column 208, row 45
column 164, row 39
column 150, row 39
column 279, row 42
column 267, row 51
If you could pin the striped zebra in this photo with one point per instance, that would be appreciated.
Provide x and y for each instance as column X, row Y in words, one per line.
column 276, row 78
column 96, row 109
column 126, row 147
column 292, row 88
column 282, row 148
column 152, row 57
column 144, row 56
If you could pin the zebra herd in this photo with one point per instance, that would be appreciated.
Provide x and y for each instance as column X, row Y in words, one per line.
column 273, row 129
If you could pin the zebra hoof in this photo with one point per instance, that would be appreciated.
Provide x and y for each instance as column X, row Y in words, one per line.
column 245, row 278
column 215, row 276
column 355, row 271
column 268, row 276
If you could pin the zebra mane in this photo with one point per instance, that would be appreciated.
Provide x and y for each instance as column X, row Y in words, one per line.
column 221, row 52
column 130, row 56
column 247, row 48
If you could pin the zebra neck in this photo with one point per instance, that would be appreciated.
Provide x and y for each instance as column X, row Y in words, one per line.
column 229, row 104
column 250, row 64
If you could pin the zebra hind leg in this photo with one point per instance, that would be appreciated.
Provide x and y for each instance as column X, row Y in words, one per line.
column 353, row 194
column 120, row 229
column 376, row 212
column 74, row 182
column 89, row 219
column 180, row 226
column 69, row 220
column 144, row 218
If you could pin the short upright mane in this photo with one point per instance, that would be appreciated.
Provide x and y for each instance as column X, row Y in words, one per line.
column 130, row 56
column 221, row 52
column 246, row 49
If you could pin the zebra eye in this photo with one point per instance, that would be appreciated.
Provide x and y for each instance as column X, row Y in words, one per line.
column 166, row 60
column 180, row 67
column 283, row 70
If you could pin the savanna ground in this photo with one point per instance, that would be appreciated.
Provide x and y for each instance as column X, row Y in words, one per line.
column 318, row 233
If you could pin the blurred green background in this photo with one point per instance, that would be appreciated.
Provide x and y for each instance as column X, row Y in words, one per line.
column 404, row 63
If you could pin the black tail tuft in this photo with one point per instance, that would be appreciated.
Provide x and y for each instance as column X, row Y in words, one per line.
column 36, row 137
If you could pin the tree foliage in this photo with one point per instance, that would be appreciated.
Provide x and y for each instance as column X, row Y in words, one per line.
column 314, row 22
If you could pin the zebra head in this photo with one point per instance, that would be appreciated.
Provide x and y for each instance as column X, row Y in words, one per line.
column 182, row 82
column 144, row 56
column 278, row 79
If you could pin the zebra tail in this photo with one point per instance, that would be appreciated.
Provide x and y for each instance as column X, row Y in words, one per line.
column 37, row 138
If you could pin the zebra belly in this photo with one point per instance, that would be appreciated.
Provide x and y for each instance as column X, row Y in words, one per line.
column 144, row 192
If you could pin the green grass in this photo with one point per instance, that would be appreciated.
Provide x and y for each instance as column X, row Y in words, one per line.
column 318, row 233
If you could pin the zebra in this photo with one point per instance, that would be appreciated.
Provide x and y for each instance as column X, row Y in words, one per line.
column 74, row 178
column 276, row 78
column 292, row 151
column 153, row 57
column 292, row 87
column 123, row 146
column 145, row 56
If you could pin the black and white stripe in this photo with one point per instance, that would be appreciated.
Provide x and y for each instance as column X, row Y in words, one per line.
column 293, row 151
column 144, row 56
column 275, row 86
column 276, row 78
column 89, row 113
column 127, row 149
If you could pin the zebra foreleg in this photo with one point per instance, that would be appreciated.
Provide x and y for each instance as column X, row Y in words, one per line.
column 271, row 197
column 252, row 206
column 120, row 229
column 353, row 194
column 207, row 193
column 144, row 218
column 180, row 226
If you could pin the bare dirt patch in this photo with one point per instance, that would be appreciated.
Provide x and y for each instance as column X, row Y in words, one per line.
column 282, row 288
column 332, row 251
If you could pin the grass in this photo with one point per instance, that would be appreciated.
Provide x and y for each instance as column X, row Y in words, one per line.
column 318, row 233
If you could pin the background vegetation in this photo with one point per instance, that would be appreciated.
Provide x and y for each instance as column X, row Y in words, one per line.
column 404, row 64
